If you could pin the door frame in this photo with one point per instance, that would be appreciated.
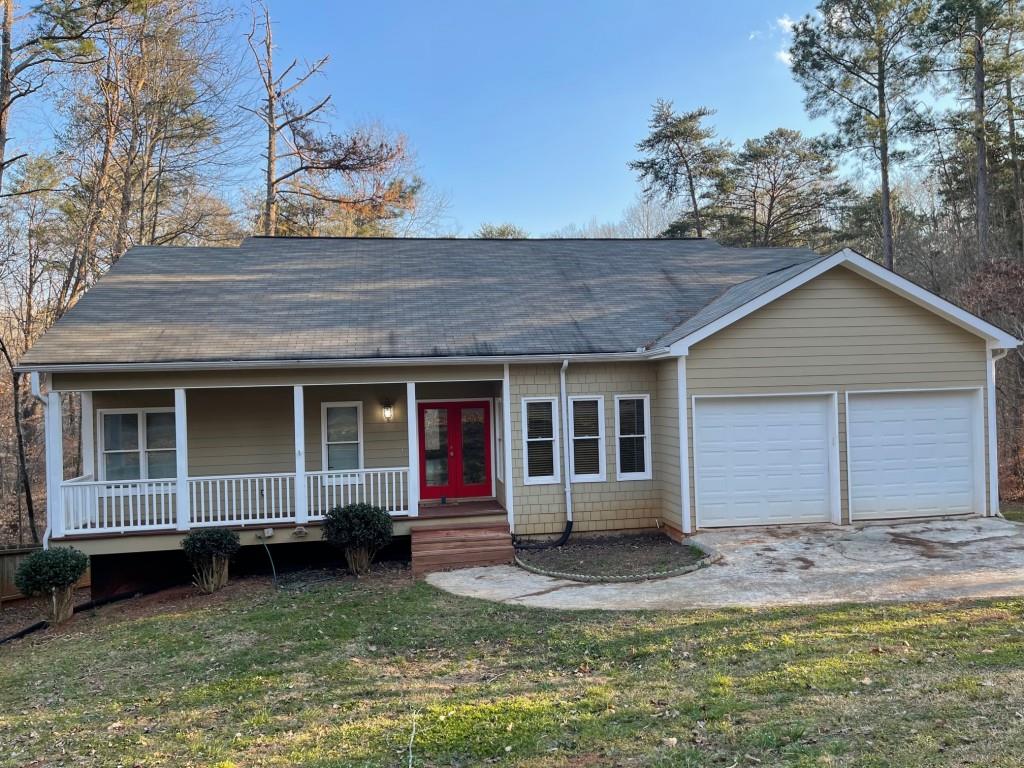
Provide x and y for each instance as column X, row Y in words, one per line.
column 493, row 437
column 977, row 442
column 832, row 426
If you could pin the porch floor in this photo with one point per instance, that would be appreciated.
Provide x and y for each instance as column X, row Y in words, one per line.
column 461, row 508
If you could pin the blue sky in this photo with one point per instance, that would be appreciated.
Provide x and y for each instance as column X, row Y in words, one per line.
column 529, row 111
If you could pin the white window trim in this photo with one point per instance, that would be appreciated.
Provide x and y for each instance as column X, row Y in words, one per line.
column 358, row 405
column 602, row 474
column 646, row 474
column 556, row 449
column 498, row 449
column 143, row 451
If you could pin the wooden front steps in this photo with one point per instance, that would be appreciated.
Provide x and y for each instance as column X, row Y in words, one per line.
column 442, row 547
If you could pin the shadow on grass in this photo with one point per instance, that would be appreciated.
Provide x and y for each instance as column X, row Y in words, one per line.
column 337, row 673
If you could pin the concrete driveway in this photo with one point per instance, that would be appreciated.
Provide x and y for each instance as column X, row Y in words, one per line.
column 803, row 565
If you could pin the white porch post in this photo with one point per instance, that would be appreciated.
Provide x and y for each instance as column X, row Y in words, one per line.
column 88, row 437
column 54, row 428
column 301, row 500
column 181, row 455
column 684, row 446
column 412, row 420
column 506, row 432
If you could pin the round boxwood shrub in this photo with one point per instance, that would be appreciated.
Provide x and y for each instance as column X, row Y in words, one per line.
column 359, row 530
column 53, row 573
column 210, row 550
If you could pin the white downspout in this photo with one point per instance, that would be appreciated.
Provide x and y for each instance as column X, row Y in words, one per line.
column 566, row 447
column 994, row 355
column 33, row 378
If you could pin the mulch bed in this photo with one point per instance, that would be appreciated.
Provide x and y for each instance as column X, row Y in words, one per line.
column 614, row 557
column 15, row 615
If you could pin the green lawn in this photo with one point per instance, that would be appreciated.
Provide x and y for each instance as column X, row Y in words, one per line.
column 339, row 673
column 1013, row 511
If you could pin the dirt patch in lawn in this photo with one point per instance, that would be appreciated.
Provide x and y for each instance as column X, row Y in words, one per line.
column 625, row 557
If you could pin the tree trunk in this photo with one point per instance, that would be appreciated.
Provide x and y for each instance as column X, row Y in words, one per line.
column 63, row 607
column 20, row 440
column 1011, row 126
column 270, row 205
column 980, row 143
column 883, row 157
column 6, row 31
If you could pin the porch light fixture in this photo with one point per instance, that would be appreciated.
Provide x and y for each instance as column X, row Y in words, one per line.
column 388, row 408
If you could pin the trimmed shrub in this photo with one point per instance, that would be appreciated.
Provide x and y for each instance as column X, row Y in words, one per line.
column 210, row 550
column 359, row 530
column 53, row 573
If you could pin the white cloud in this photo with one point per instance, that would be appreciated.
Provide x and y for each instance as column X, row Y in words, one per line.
column 785, row 23
column 784, row 56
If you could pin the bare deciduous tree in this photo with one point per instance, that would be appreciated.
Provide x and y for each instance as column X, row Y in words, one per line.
column 301, row 159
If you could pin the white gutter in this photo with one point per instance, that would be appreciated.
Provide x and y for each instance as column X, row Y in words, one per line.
column 365, row 362
column 38, row 395
column 567, row 464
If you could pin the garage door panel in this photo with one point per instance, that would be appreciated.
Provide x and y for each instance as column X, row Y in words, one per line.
column 913, row 454
column 762, row 460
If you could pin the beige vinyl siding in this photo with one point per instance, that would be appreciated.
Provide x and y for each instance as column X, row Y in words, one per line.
column 608, row 505
column 838, row 333
column 154, row 398
column 275, row 377
column 385, row 444
column 665, row 423
column 458, row 390
column 251, row 430
column 240, row 431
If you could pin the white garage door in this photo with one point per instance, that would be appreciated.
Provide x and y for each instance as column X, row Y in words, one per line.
column 914, row 454
column 763, row 460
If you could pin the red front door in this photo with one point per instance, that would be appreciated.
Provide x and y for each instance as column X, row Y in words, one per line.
column 455, row 449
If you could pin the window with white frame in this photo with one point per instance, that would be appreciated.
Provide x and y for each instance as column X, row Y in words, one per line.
column 633, row 437
column 588, row 452
column 499, row 439
column 341, row 429
column 137, row 443
column 540, row 440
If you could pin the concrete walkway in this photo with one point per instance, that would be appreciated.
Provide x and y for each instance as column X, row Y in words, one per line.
column 939, row 560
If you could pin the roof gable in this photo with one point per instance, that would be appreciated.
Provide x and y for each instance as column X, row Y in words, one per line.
column 742, row 300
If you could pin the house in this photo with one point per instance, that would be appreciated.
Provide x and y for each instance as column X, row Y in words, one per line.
column 511, row 385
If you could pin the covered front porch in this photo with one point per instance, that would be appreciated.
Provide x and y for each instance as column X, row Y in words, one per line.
column 169, row 460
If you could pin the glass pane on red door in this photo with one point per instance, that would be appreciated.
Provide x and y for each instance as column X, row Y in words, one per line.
column 474, row 446
column 435, row 446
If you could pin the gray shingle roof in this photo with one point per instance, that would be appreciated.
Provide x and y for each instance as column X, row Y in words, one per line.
column 733, row 298
column 295, row 298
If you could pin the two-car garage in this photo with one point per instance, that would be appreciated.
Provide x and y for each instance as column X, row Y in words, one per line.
column 790, row 458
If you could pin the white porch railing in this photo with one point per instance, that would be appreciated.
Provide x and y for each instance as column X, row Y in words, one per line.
column 231, row 500
column 121, row 506
column 384, row 488
column 117, row 506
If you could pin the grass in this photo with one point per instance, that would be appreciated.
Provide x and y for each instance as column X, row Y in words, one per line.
column 1013, row 511
column 340, row 673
